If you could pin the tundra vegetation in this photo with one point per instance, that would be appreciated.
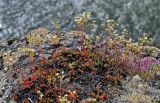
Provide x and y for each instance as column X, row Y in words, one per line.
column 77, row 66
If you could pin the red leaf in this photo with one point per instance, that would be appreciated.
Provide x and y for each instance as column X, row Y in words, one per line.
column 35, row 68
column 26, row 101
column 43, row 85
column 103, row 97
column 27, row 84
column 34, row 78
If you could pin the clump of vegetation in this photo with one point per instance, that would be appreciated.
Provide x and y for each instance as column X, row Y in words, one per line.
column 138, row 98
column 85, row 22
column 11, row 58
column 110, row 26
column 41, row 36
column 90, row 70
column 145, row 40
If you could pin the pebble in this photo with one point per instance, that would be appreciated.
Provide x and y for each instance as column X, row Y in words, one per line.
column 136, row 78
column 5, row 68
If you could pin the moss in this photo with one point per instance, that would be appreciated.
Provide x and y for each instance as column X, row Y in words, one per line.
column 40, row 36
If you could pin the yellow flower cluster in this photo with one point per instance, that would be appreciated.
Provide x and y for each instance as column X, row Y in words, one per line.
column 110, row 26
column 145, row 40
column 134, row 47
column 89, row 42
column 84, row 18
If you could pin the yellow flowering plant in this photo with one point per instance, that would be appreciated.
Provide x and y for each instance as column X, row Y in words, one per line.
column 85, row 22
column 145, row 40
column 111, row 26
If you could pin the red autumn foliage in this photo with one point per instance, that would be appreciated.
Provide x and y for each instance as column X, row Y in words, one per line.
column 27, row 84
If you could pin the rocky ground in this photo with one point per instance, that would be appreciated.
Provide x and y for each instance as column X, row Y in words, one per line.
column 18, row 55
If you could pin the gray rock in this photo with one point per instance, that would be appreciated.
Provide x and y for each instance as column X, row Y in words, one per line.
column 136, row 79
